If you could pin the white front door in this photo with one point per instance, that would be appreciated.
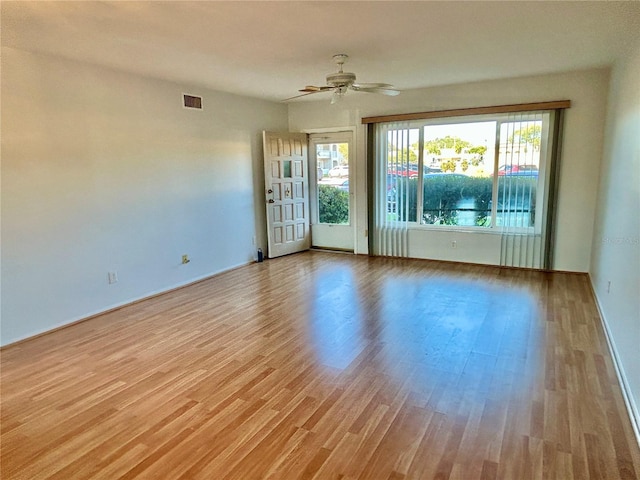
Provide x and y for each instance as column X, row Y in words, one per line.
column 286, row 175
column 332, row 192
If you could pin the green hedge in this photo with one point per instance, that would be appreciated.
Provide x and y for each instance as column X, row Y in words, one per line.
column 333, row 205
column 443, row 193
column 441, row 198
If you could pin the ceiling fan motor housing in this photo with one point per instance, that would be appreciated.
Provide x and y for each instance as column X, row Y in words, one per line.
column 341, row 79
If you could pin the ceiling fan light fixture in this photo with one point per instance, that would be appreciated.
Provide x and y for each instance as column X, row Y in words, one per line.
column 338, row 93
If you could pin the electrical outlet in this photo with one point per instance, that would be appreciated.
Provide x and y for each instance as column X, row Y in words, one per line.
column 454, row 244
column 112, row 277
column 185, row 259
column 609, row 286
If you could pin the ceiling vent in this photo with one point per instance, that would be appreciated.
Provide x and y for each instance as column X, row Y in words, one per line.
column 191, row 101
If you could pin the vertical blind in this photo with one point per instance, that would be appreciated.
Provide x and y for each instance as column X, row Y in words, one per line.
column 511, row 194
column 523, row 144
column 391, row 205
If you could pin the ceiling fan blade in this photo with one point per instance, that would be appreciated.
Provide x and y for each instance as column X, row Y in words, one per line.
column 303, row 95
column 314, row 89
column 309, row 89
column 390, row 91
column 371, row 85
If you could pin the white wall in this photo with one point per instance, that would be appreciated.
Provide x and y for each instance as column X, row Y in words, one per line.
column 582, row 148
column 105, row 171
column 616, row 240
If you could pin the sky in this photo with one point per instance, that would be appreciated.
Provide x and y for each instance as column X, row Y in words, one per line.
column 477, row 133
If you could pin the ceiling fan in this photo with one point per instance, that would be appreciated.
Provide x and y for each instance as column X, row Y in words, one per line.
column 338, row 83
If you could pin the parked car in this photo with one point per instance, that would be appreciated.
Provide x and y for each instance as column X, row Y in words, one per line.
column 413, row 172
column 520, row 170
column 410, row 170
column 339, row 171
column 343, row 185
column 335, row 182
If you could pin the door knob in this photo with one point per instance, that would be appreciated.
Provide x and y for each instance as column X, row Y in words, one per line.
column 269, row 191
column 271, row 200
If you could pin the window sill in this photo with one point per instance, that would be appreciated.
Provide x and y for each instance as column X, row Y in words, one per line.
column 466, row 230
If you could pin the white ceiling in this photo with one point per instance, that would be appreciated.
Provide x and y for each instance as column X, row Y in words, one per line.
column 271, row 49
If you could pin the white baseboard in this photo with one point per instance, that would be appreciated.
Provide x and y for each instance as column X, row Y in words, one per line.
column 110, row 308
column 632, row 408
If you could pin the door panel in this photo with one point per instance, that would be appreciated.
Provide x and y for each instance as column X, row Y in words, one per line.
column 332, row 192
column 287, row 193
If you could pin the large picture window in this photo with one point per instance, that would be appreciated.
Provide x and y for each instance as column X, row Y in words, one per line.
column 480, row 174
column 476, row 173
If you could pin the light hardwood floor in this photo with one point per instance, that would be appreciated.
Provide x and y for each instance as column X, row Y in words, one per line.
column 326, row 366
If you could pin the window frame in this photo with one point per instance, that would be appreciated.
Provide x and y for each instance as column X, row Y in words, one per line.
column 500, row 119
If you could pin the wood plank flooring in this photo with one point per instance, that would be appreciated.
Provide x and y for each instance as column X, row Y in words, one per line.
column 326, row 366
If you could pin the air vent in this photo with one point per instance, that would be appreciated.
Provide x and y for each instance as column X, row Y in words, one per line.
column 191, row 101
